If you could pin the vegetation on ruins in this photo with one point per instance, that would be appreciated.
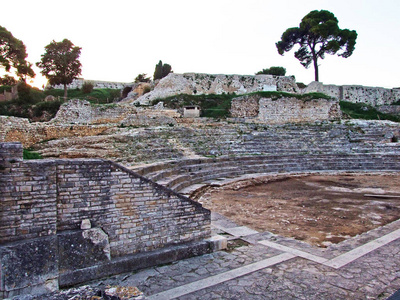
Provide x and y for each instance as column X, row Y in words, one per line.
column 318, row 34
column 28, row 154
column 87, row 87
column 142, row 78
column 13, row 55
column 277, row 71
column 30, row 103
column 366, row 112
column 218, row 106
column 60, row 63
column 161, row 70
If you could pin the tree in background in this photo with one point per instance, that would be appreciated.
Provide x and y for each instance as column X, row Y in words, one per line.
column 161, row 70
column 277, row 71
column 13, row 55
column 317, row 34
column 142, row 78
column 60, row 64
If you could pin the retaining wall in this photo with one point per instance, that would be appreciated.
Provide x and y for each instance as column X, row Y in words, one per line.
column 45, row 198
column 259, row 109
column 374, row 96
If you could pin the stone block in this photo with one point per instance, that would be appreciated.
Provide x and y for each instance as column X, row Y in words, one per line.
column 29, row 266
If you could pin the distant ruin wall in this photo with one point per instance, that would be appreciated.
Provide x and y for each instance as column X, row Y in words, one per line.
column 97, row 84
column 83, row 112
column 199, row 84
column 374, row 96
column 80, row 118
column 284, row 110
column 43, row 198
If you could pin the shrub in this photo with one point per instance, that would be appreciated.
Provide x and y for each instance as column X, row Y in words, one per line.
column 146, row 89
column 142, row 78
column 87, row 87
column 277, row 71
column 366, row 112
column 301, row 85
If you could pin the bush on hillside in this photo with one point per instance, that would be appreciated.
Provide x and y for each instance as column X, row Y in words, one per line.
column 277, row 71
column 87, row 87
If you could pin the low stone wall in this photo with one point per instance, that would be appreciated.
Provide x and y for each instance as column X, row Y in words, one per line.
column 83, row 112
column 198, row 84
column 374, row 96
column 43, row 198
column 14, row 129
column 78, row 118
column 97, row 84
column 284, row 110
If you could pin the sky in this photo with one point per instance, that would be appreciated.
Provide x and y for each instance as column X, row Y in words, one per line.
column 123, row 38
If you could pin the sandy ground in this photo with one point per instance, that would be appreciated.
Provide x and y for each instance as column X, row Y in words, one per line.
column 317, row 209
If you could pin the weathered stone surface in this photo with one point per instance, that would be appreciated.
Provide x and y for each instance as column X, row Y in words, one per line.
column 29, row 267
column 374, row 96
column 284, row 110
column 389, row 109
column 81, row 249
column 197, row 84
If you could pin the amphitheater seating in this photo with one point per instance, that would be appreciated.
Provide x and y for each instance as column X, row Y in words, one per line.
column 239, row 149
column 179, row 175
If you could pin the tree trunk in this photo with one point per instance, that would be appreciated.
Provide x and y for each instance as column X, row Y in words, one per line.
column 316, row 68
column 65, row 92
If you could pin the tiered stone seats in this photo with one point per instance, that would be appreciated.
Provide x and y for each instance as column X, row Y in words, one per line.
column 184, row 173
column 240, row 149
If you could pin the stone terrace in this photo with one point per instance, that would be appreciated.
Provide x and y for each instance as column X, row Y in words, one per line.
column 204, row 138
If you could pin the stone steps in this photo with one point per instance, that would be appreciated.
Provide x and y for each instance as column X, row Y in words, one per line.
column 180, row 175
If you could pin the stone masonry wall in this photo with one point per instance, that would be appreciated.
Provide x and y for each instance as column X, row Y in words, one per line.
column 284, row 110
column 374, row 96
column 198, row 84
column 97, row 84
column 40, row 198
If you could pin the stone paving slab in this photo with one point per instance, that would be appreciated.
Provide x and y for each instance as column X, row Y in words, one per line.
column 274, row 267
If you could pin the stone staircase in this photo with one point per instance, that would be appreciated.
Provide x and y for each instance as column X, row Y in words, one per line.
column 183, row 174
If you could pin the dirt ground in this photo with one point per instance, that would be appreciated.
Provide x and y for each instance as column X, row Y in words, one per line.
column 317, row 209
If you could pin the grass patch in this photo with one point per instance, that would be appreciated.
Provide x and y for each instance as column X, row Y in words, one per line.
column 98, row 96
column 27, row 154
column 365, row 112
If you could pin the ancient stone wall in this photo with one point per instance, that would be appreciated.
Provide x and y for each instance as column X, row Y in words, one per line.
column 284, row 110
column 198, row 84
column 43, row 198
column 97, row 84
column 389, row 109
column 80, row 118
column 374, row 96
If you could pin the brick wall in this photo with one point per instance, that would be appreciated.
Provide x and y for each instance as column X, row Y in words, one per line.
column 42, row 197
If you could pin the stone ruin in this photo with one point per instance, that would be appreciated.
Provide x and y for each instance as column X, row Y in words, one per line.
column 200, row 84
column 64, row 222
column 123, row 219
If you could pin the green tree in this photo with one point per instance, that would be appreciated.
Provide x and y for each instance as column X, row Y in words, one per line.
column 13, row 55
column 318, row 34
column 277, row 71
column 142, row 78
column 60, row 63
column 161, row 70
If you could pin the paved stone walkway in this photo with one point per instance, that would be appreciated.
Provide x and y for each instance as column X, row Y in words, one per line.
column 268, row 266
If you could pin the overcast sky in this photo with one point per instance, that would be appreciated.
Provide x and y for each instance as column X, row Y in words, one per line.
column 121, row 39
